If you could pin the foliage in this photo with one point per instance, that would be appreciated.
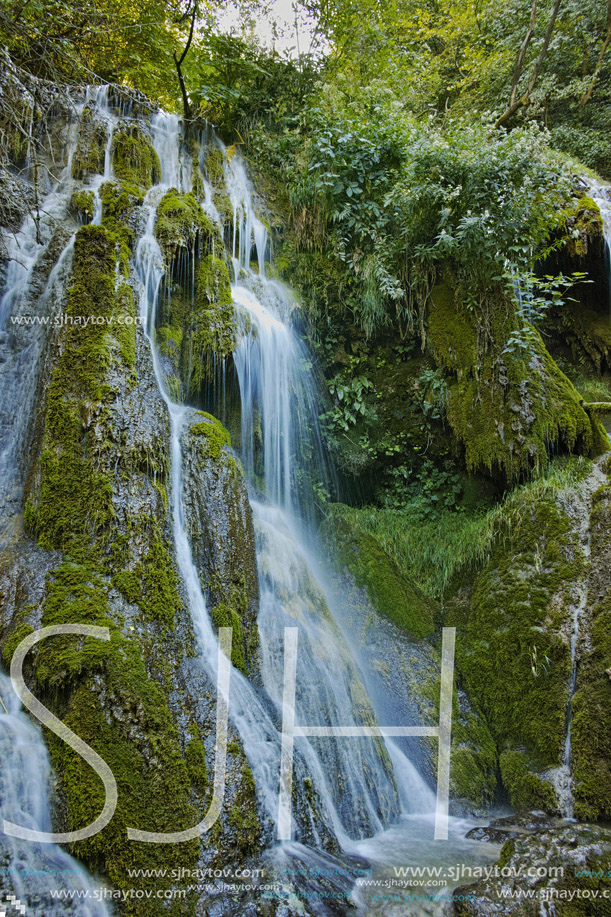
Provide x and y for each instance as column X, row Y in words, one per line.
column 123, row 41
column 433, row 551
column 456, row 58
column 238, row 83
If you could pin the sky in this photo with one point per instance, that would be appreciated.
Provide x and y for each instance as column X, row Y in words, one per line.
column 278, row 27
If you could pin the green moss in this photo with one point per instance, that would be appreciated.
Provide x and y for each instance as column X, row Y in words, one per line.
column 587, row 331
column 584, row 223
column 74, row 495
column 472, row 759
column 134, row 158
column 152, row 778
column 512, row 656
column 372, row 568
column 526, row 790
column 76, row 594
column 243, row 816
column 105, row 691
column 195, row 756
column 160, row 599
column 591, row 704
column 214, row 166
column 81, row 205
column 13, row 640
column 169, row 341
column 182, row 224
column 152, row 584
column 83, row 678
column 215, row 173
column 473, row 756
column 88, row 158
column 210, row 332
column 119, row 199
column 224, row 615
column 451, row 331
column 211, row 435
column 509, row 403
column 129, row 584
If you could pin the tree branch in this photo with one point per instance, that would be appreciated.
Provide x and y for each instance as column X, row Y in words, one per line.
column 179, row 62
column 517, row 73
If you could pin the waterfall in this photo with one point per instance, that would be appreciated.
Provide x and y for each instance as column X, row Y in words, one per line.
column 361, row 791
column 270, row 363
column 277, row 386
column 601, row 195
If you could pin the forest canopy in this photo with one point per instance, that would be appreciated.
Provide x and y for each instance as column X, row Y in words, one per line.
column 547, row 61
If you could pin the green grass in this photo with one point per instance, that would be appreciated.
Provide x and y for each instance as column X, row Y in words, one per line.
column 430, row 553
column 596, row 389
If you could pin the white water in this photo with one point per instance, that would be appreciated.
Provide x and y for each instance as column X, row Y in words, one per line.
column 289, row 588
column 601, row 195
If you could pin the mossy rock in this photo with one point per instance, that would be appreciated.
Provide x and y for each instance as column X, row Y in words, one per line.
column 391, row 593
column 526, row 790
column 152, row 584
column 591, row 704
column 510, row 403
column 586, row 330
column 584, row 226
column 134, row 158
column 512, row 654
column 89, row 156
column 119, row 199
column 182, row 225
column 210, row 335
column 74, row 495
column 103, row 692
column 211, row 435
column 81, row 206
column 219, row 521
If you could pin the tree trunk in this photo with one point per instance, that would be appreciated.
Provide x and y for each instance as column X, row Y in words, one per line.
column 524, row 100
column 586, row 96
column 179, row 62
column 517, row 73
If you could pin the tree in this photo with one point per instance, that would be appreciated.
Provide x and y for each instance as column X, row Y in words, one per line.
column 515, row 103
column 190, row 15
column 606, row 42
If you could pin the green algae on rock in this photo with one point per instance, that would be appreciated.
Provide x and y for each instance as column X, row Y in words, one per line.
column 509, row 402
column 220, row 526
column 182, row 224
column 134, row 158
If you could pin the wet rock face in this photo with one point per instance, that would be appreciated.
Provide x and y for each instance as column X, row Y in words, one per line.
column 219, row 522
column 591, row 707
column 545, row 867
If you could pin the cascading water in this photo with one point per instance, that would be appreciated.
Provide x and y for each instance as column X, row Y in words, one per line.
column 355, row 780
column 28, row 305
column 601, row 194
column 334, row 688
